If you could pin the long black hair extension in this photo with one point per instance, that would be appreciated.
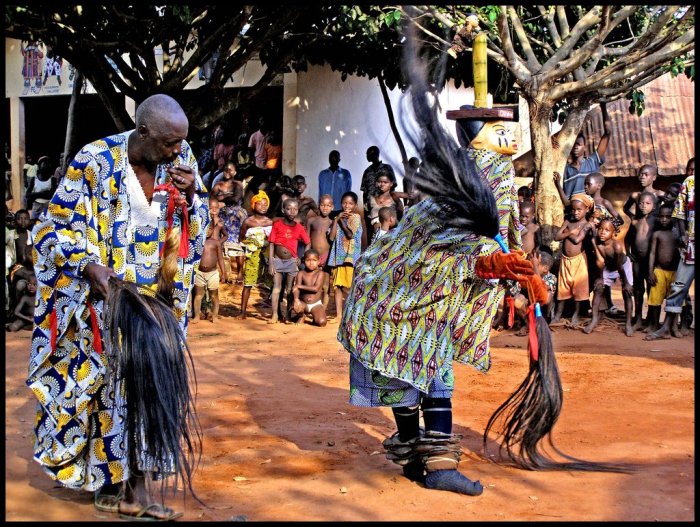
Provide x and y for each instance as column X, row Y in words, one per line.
column 148, row 354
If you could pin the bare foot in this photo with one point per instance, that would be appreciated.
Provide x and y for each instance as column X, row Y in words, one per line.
column 658, row 334
column 639, row 325
column 629, row 330
column 194, row 320
column 273, row 320
column 675, row 331
column 242, row 316
column 214, row 319
column 556, row 322
column 589, row 328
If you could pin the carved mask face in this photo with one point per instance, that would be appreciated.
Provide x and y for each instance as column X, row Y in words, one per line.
column 498, row 136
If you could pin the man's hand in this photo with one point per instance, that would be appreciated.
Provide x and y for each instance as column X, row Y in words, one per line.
column 183, row 179
column 98, row 276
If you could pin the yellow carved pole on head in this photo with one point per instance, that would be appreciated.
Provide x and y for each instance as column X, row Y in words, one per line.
column 481, row 89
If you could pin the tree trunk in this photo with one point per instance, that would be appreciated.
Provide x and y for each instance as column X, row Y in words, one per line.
column 547, row 160
column 69, row 145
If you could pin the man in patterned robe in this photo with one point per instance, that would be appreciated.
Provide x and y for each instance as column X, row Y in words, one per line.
column 109, row 217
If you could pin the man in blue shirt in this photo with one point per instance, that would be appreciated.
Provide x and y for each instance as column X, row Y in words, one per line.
column 579, row 167
column 334, row 180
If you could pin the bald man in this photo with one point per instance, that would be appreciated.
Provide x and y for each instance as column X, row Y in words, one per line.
column 110, row 217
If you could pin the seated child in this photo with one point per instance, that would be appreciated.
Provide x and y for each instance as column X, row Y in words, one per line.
column 207, row 275
column 284, row 265
column 664, row 256
column 24, row 310
column 613, row 264
column 308, row 290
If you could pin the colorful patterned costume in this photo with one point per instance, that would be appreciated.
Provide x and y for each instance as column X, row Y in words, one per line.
column 99, row 214
column 430, row 270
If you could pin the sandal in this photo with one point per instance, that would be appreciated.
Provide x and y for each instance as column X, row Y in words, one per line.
column 146, row 514
column 108, row 502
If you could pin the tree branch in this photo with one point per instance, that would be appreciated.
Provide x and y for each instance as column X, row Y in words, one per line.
column 584, row 24
column 532, row 63
column 516, row 65
column 548, row 15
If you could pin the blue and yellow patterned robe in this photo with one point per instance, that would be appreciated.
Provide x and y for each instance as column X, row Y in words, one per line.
column 79, row 422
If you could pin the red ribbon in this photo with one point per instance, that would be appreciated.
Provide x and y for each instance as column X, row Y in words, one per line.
column 510, row 301
column 174, row 196
column 53, row 325
column 96, row 335
column 533, row 343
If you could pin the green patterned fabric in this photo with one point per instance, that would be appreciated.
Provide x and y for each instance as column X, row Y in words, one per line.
column 415, row 302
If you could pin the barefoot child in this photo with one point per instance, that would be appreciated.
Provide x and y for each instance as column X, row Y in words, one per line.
column 573, row 270
column 531, row 232
column 24, row 310
column 284, row 263
column 308, row 290
column 207, row 275
column 254, row 232
column 319, row 228
column 646, row 175
column 613, row 264
column 664, row 256
column 346, row 235
column 638, row 242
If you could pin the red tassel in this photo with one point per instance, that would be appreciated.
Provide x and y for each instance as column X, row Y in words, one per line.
column 53, row 325
column 532, row 341
column 175, row 196
column 96, row 335
column 510, row 301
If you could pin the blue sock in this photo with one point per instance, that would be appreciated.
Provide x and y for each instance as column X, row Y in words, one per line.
column 453, row 481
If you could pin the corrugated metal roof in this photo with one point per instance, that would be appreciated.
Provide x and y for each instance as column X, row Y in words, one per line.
column 664, row 135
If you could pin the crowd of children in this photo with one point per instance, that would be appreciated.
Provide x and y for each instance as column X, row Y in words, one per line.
column 300, row 253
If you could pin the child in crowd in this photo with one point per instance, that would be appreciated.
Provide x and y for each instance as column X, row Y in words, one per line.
column 542, row 262
column 346, row 235
column 664, row 256
column 525, row 194
column 593, row 184
column 254, row 233
column 308, row 290
column 387, row 221
column 319, row 228
column 531, row 232
column 24, row 310
column 232, row 215
column 385, row 198
column 671, row 195
column 646, row 175
column 207, row 274
column 602, row 208
column 307, row 204
column 638, row 242
column 613, row 264
column 573, row 270
column 284, row 263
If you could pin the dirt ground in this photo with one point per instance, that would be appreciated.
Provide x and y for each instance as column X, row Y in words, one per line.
column 281, row 442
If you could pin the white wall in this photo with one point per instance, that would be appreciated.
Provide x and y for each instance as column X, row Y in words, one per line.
column 350, row 117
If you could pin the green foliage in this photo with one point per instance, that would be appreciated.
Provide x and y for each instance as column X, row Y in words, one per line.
column 636, row 98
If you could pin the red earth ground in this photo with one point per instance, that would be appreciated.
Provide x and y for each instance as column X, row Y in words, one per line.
column 281, row 442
